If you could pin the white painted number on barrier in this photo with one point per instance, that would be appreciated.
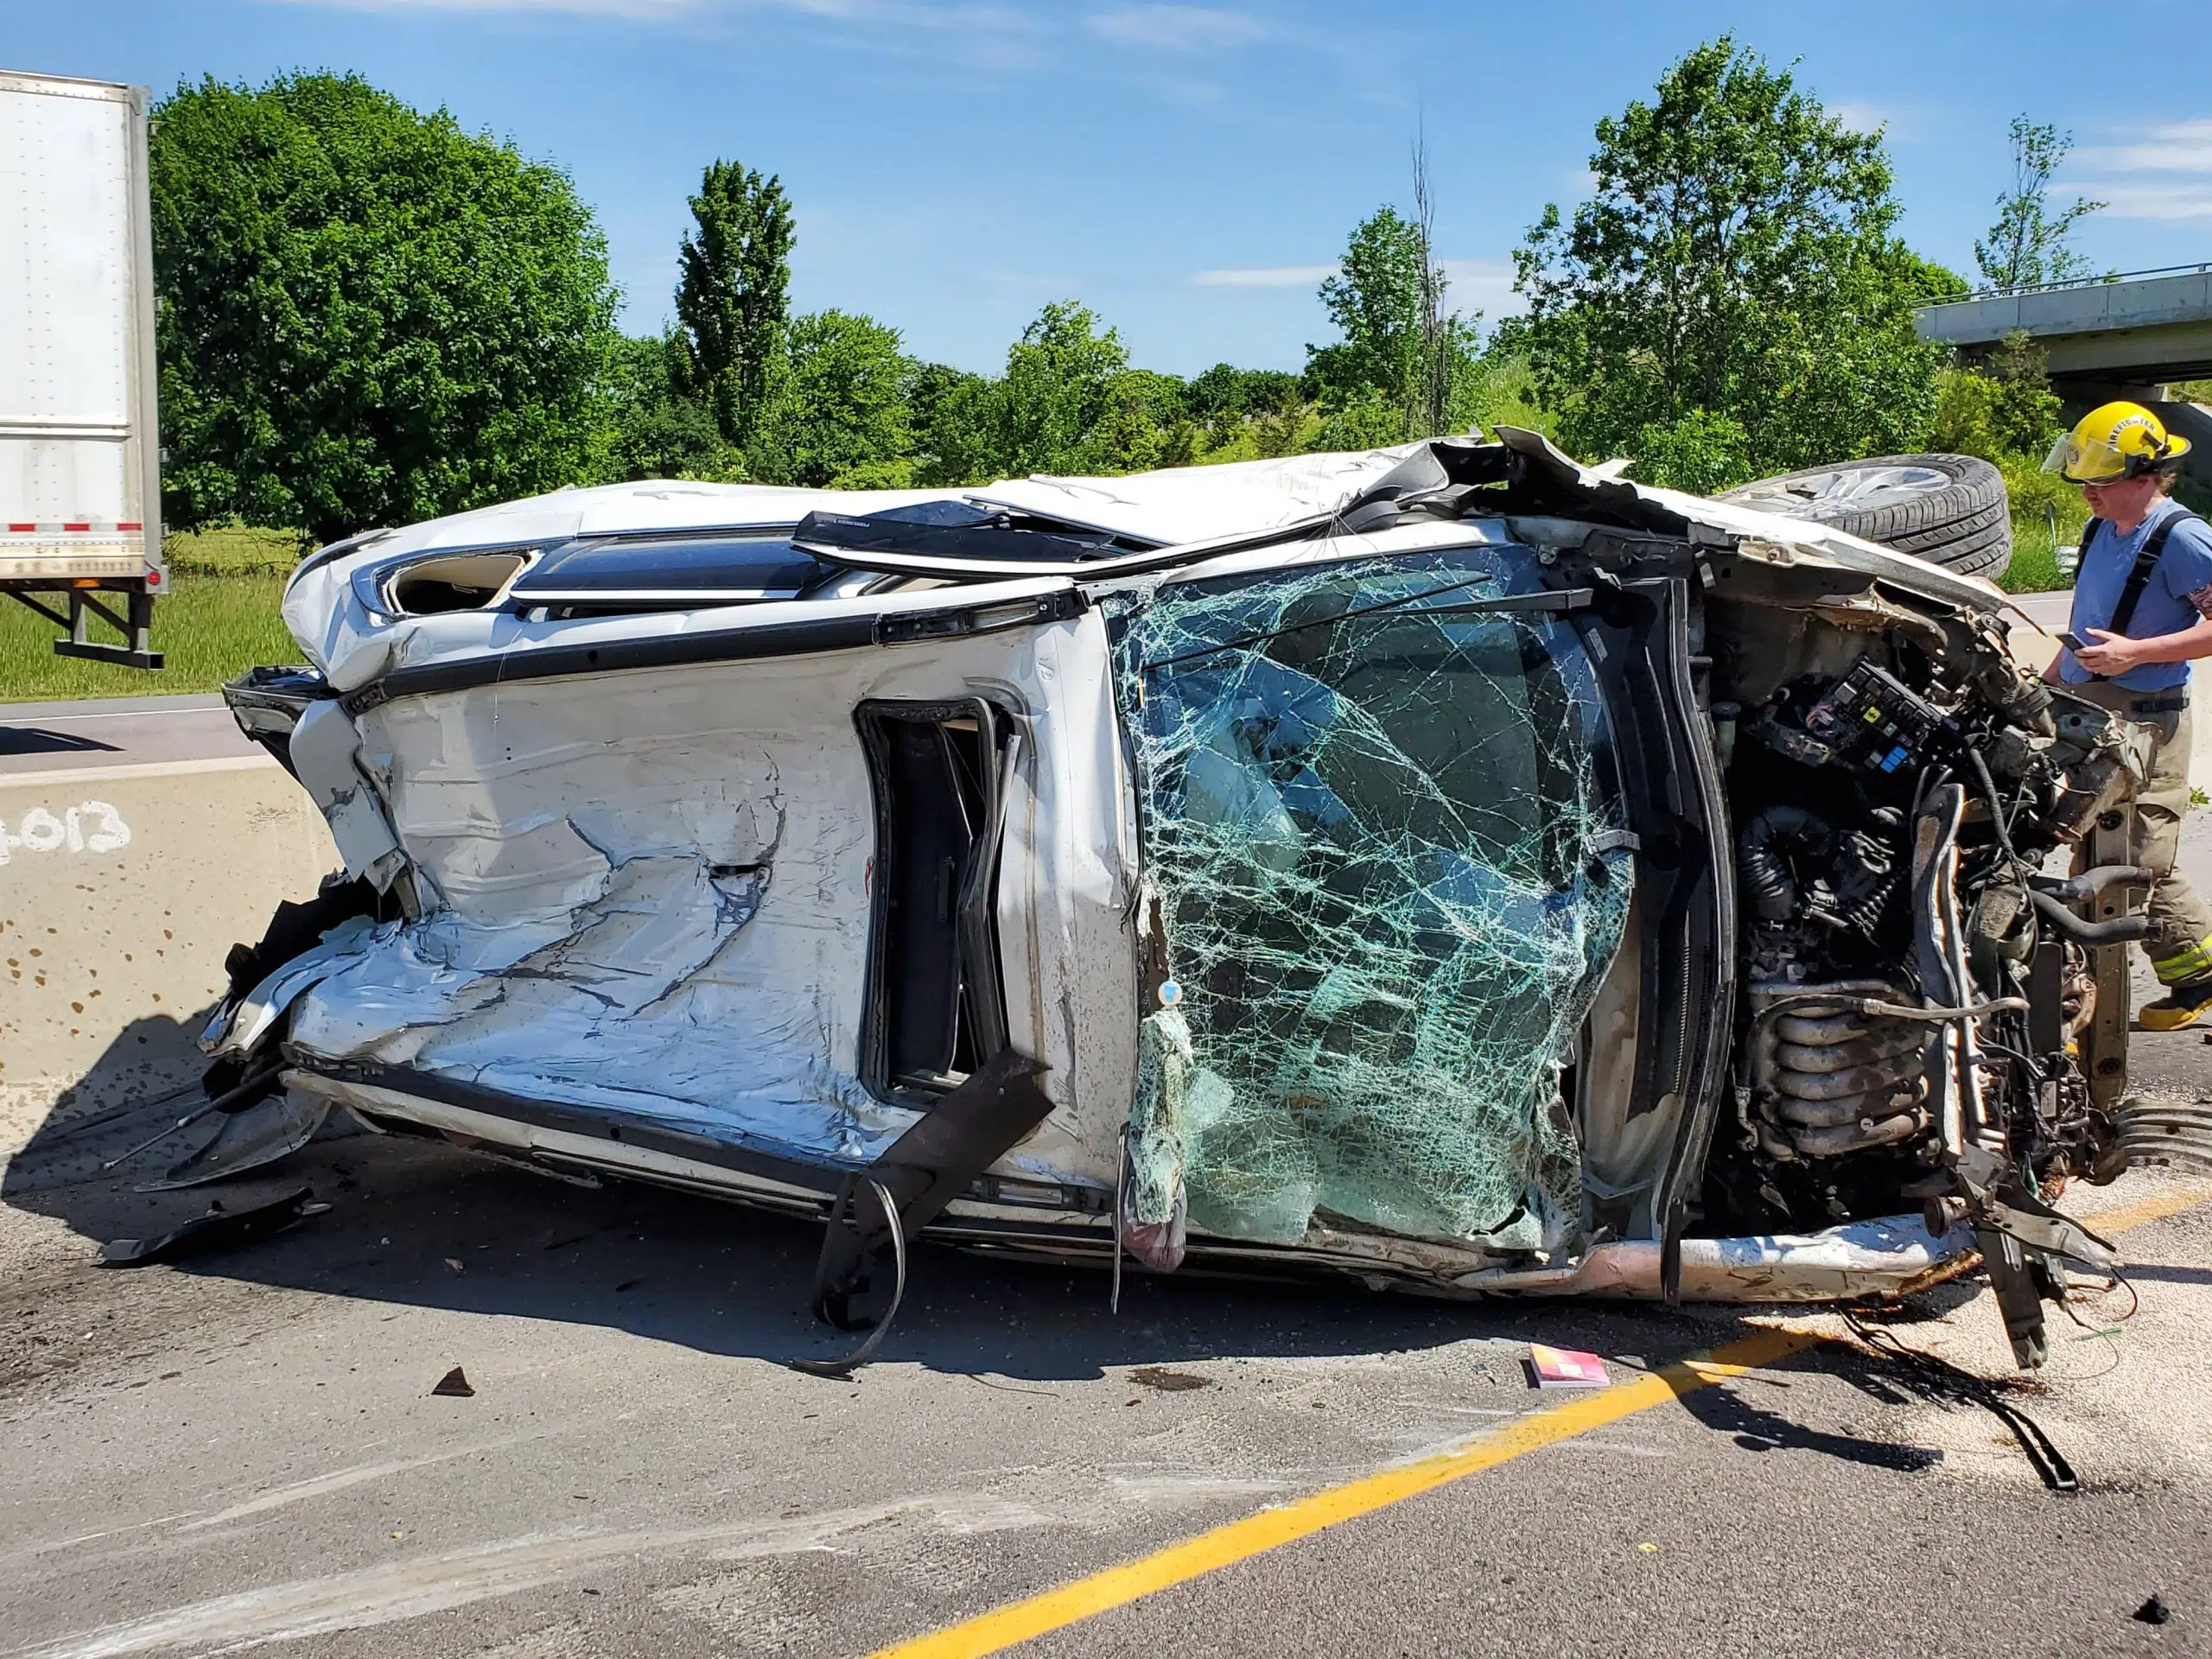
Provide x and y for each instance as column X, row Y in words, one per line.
column 87, row 827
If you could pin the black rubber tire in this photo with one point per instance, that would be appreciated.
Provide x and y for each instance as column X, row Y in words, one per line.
column 1966, row 526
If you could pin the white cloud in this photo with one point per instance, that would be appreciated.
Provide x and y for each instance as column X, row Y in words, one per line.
column 1264, row 276
column 2175, row 147
column 1176, row 28
column 900, row 13
column 1483, row 285
column 990, row 37
column 2178, row 198
column 2180, row 151
column 1862, row 115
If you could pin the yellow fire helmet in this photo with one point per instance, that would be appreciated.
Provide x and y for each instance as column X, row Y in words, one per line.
column 2117, row 440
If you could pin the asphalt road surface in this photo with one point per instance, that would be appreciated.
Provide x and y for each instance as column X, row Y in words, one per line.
column 247, row 1451
column 117, row 731
column 243, row 1453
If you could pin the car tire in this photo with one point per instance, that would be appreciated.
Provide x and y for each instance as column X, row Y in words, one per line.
column 1949, row 510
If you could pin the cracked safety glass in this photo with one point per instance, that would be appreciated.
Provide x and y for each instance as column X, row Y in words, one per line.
column 1384, row 859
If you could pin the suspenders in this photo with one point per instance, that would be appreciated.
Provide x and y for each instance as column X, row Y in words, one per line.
column 2146, row 561
column 2138, row 576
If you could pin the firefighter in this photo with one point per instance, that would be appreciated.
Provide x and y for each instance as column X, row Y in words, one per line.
column 2143, row 611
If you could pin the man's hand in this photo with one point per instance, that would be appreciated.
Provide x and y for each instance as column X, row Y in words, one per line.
column 2110, row 653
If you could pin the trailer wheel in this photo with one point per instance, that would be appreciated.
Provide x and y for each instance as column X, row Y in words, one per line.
column 1949, row 510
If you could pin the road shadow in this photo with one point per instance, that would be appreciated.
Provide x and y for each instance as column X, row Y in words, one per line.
column 1728, row 1411
column 149, row 1070
column 2136, row 1273
column 421, row 1223
column 38, row 740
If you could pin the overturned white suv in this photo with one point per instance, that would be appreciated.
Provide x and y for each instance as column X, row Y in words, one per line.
column 1445, row 867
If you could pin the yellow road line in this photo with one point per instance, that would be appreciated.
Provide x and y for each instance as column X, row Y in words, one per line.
column 995, row 1632
column 1238, row 1540
column 2144, row 1212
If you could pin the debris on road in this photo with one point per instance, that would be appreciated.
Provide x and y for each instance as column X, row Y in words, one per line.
column 454, row 1385
column 2152, row 1612
column 215, row 1231
column 221, row 1101
column 1167, row 1381
column 1564, row 1368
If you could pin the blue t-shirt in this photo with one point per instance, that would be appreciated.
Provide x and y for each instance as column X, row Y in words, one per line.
column 2177, row 594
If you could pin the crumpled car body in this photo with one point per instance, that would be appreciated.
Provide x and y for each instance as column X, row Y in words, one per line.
column 1445, row 867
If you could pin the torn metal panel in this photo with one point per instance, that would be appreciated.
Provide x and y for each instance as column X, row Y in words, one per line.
column 1860, row 1258
column 325, row 751
column 241, row 1023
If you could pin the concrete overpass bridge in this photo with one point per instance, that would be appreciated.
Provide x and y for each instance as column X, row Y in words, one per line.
column 2131, row 336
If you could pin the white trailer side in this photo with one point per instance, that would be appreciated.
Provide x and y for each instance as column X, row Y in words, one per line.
column 80, row 497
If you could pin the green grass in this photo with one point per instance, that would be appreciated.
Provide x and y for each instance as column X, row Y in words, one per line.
column 234, row 552
column 2034, row 568
column 212, row 628
column 2043, row 506
column 218, row 619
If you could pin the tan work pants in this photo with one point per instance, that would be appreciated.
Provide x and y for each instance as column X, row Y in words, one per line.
column 2179, row 943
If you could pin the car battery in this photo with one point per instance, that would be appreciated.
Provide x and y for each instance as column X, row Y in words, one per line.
column 1872, row 720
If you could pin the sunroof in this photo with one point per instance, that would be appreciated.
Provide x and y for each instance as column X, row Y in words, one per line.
column 955, row 530
column 672, row 569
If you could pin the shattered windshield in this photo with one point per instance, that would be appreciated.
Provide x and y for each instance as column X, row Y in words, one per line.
column 1382, row 847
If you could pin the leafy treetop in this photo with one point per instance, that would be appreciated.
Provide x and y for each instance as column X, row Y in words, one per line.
column 368, row 315
column 2029, row 243
column 733, row 294
column 1732, row 301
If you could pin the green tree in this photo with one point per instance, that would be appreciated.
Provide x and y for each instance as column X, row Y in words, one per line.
column 1140, row 425
column 1237, row 414
column 1735, row 271
column 733, row 294
column 955, row 419
column 1926, row 283
column 2028, row 244
column 2001, row 410
column 367, row 315
column 1402, row 362
column 842, row 403
column 1224, row 397
column 655, row 428
column 1055, row 390
column 1375, row 301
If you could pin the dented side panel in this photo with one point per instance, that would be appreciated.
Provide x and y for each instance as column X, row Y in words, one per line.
column 652, row 893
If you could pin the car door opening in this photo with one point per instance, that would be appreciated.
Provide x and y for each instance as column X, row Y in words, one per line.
column 936, row 1007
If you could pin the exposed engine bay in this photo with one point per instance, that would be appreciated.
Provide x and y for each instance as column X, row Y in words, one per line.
column 1920, row 1000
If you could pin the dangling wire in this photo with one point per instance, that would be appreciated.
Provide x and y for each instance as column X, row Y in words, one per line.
column 1120, row 1188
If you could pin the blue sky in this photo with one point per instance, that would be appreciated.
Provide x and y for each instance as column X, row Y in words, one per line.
column 1189, row 171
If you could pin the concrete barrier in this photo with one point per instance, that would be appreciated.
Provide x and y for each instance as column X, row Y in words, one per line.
column 122, row 888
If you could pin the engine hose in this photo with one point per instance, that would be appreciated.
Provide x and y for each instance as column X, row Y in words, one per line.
column 1941, row 1016
column 2072, row 890
column 1769, row 836
column 1996, row 804
column 1876, row 1005
column 2120, row 930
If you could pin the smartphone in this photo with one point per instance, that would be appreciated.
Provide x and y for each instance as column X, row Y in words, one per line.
column 2073, row 642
